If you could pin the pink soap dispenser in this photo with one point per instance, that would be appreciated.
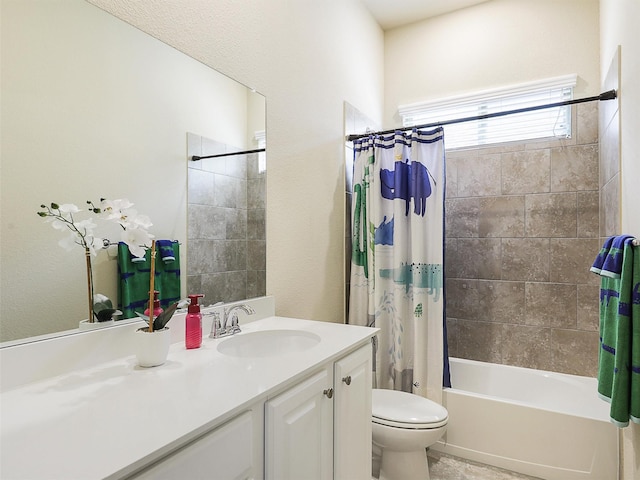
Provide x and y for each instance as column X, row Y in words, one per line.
column 157, row 309
column 193, row 323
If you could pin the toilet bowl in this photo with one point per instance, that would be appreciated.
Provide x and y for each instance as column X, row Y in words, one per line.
column 404, row 425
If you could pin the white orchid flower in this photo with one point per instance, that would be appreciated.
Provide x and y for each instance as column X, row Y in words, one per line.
column 94, row 244
column 134, row 225
column 115, row 209
column 69, row 242
column 140, row 221
column 86, row 227
column 58, row 223
column 117, row 205
column 126, row 218
column 67, row 208
column 137, row 239
column 64, row 218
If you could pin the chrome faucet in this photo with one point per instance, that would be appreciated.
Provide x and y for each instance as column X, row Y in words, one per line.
column 219, row 331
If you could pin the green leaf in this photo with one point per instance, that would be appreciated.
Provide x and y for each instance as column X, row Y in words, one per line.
column 160, row 322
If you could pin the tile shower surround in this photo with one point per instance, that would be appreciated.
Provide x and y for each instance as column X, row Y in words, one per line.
column 226, row 224
column 522, row 230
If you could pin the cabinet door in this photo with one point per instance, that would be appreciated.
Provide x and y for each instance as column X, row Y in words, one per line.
column 226, row 453
column 299, row 431
column 352, row 427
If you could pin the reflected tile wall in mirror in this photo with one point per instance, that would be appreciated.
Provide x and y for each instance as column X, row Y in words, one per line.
column 226, row 223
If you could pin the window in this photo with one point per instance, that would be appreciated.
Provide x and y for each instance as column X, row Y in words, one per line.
column 260, row 138
column 545, row 123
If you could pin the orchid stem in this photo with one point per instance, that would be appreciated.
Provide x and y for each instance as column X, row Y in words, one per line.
column 152, row 284
column 87, row 254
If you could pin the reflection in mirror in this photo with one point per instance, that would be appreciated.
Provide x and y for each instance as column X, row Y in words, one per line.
column 226, row 220
column 92, row 107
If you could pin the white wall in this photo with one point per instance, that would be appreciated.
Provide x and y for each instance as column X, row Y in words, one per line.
column 496, row 43
column 92, row 108
column 307, row 57
column 619, row 26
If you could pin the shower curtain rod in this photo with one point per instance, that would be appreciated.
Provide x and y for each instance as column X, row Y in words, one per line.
column 195, row 158
column 608, row 95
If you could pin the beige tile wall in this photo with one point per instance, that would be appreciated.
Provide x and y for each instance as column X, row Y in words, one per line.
column 522, row 230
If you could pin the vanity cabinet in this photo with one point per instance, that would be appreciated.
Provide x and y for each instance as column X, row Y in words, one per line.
column 321, row 427
column 288, row 410
column 232, row 451
column 318, row 428
column 352, row 415
column 299, row 430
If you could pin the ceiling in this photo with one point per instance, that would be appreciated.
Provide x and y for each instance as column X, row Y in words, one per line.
column 395, row 13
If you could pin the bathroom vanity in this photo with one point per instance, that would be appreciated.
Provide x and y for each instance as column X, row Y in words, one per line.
column 279, row 400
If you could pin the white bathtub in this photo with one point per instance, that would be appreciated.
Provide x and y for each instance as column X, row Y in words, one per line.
column 545, row 424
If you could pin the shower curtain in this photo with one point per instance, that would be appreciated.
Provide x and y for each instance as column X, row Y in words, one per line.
column 397, row 257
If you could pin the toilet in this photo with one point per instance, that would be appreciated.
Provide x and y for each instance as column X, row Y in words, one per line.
column 404, row 425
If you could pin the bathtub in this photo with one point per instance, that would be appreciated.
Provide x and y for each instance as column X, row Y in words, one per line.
column 544, row 424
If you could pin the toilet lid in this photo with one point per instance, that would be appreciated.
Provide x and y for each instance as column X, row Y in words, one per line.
column 396, row 408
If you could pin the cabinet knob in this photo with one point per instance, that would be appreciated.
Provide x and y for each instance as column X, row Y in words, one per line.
column 347, row 379
column 328, row 392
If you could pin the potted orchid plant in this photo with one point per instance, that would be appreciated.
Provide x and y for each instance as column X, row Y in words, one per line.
column 152, row 349
column 82, row 232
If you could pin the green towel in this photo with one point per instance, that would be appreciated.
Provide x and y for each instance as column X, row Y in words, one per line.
column 619, row 356
column 634, row 408
column 133, row 280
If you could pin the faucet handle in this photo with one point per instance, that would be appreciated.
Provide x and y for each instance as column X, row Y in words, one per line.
column 235, row 324
column 215, row 326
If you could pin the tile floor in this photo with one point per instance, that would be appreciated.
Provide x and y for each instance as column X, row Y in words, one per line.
column 446, row 467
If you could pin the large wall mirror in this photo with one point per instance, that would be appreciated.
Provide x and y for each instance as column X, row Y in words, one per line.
column 93, row 107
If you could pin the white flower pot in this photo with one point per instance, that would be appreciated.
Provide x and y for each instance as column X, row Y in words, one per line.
column 85, row 325
column 152, row 348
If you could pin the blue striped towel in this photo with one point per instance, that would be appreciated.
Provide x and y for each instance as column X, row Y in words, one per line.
column 608, row 263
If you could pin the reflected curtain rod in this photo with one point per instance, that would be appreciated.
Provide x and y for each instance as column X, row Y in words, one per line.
column 195, row 158
column 608, row 95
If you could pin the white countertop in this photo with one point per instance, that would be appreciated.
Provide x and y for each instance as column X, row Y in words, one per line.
column 109, row 420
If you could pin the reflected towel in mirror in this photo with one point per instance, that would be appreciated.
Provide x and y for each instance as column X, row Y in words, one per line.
column 133, row 278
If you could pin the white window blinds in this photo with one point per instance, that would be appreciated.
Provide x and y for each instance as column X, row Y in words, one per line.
column 545, row 123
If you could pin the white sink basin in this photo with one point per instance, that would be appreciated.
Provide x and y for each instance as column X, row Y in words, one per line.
column 268, row 343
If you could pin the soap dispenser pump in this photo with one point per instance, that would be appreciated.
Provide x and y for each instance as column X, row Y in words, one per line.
column 193, row 323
